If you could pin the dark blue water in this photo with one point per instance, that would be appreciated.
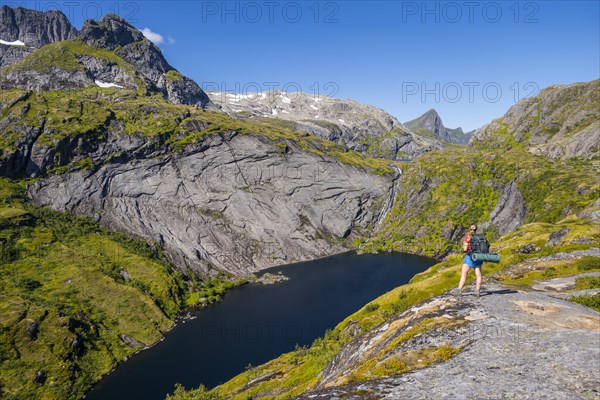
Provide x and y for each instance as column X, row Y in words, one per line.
column 256, row 323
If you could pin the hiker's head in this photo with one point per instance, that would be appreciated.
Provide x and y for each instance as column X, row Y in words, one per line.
column 473, row 228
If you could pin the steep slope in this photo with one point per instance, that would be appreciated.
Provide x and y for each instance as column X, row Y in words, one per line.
column 75, row 299
column 501, row 180
column 562, row 121
column 431, row 123
column 360, row 127
column 33, row 28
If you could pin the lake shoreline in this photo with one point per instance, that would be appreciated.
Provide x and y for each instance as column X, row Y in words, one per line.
column 190, row 314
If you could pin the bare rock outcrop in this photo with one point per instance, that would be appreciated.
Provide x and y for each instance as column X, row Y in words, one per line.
column 358, row 126
column 233, row 203
column 562, row 121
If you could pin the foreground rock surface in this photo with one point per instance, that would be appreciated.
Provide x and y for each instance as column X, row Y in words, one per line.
column 520, row 345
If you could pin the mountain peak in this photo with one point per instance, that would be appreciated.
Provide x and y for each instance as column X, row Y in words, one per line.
column 34, row 28
column 431, row 122
column 113, row 17
column 111, row 32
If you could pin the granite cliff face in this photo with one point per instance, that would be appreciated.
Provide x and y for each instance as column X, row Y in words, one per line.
column 232, row 203
column 431, row 122
column 360, row 127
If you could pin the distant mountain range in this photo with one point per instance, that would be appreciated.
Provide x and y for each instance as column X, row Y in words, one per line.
column 358, row 126
column 43, row 51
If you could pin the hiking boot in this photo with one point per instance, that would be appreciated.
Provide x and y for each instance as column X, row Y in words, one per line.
column 457, row 292
column 477, row 293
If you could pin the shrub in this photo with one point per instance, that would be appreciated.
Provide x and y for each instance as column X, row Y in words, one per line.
column 588, row 300
column 588, row 282
column 371, row 307
column 195, row 394
column 587, row 263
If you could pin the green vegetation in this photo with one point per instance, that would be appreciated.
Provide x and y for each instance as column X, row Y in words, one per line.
column 195, row 394
column 87, row 114
column 538, row 271
column 212, row 289
column 174, row 75
column 62, row 55
column 72, row 293
column 445, row 191
column 588, row 300
column 587, row 282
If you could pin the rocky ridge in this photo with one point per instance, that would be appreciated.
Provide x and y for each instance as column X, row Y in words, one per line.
column 355, row 125
column 562, row 121
column 33, row 28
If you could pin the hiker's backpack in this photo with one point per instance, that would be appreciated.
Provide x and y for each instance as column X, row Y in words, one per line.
column 479, row 244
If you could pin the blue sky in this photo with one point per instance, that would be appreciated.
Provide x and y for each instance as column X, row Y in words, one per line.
column 469, row 60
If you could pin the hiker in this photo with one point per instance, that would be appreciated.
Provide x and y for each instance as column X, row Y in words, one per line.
column 469, row 263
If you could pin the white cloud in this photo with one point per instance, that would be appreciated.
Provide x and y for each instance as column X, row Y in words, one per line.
column 170, row 40
column 154, row 37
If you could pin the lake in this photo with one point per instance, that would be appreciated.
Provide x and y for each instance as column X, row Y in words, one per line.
column 255, row 323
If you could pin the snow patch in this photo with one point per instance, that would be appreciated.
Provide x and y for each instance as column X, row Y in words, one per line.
column 107, row 85
column 341, row 120
column 316, row 116
column 233, row 97
column 15, row 43
column 274, row 112
column 313, row 107
column 285, row 99
column 285, row 112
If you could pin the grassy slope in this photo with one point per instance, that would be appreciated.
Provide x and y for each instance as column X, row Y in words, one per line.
column 84, row 287
column 463, row 186
column 63, row 273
